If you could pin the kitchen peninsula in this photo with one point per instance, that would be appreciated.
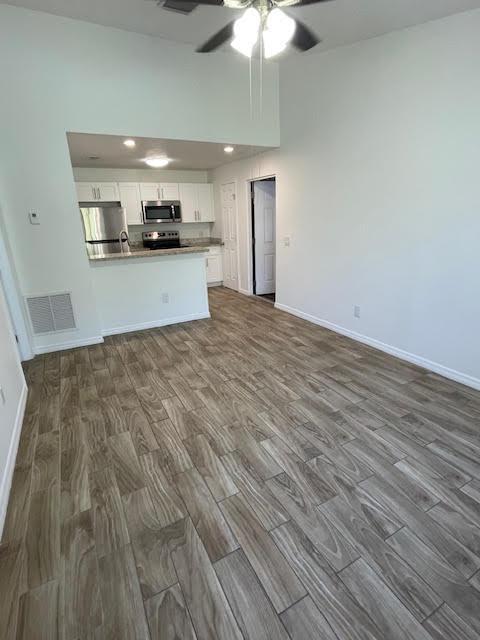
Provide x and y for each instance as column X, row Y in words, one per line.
column 141, row 289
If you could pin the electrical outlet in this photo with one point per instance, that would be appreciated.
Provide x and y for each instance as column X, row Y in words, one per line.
column 356, row 311
column 34, row 217
column 165, row 298
column 286, row 241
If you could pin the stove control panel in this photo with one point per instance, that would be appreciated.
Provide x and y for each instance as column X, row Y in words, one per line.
column 160, row 235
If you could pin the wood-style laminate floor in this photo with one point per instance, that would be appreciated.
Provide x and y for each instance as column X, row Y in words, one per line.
column 250, row 476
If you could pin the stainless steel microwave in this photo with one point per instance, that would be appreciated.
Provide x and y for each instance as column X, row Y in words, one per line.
column 156, row 211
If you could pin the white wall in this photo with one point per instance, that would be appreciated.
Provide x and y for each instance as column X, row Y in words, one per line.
column 378, row 189
column 14, row 389
column 62, row 75
column 127, row 301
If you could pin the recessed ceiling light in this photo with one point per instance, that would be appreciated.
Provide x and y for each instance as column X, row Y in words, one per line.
column 129, row 143
column 157, row 163
column 229, row 149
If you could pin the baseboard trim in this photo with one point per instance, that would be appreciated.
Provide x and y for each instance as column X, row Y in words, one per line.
column 6, row 480
column 155, row 323
column 62, row 346
column 435, row 367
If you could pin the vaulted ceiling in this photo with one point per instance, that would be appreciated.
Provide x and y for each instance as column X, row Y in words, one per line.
column 338, row 22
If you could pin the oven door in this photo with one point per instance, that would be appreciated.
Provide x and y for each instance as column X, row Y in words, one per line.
column 157, row 211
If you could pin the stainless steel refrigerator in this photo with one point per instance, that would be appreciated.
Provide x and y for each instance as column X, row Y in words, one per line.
column 105, row 227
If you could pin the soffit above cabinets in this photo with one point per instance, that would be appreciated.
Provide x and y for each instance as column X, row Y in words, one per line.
column 338, row 22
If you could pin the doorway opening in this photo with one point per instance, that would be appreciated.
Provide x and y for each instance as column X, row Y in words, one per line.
column 263, row 199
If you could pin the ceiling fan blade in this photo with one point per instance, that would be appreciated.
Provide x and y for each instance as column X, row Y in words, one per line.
column 218, row 39
column 303, row 38
column 296, row 3
column 215, row 3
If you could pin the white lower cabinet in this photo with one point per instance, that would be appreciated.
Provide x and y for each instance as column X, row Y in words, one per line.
column 214, row 265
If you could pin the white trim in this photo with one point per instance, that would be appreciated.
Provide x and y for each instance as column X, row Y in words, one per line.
column 14, row 306
column 62, row 346
column 155, row 323
column 222, row 184
column 249, row 243
column 245, row 292
column 6, row 480
column 446, row 372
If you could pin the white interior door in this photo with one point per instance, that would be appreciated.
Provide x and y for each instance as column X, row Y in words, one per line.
column 264, row 232
column 230, row 253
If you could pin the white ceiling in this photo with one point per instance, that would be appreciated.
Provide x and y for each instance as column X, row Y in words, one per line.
column 338, row 22
column 113, row 154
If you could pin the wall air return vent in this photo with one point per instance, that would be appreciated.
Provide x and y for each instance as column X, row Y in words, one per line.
column 51, row 313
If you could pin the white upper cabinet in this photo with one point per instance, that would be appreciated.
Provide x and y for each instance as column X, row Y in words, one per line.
column 159, row 191
column 97, row 191
column 108, row 191
column 149, row 191
column 131, row 201
column 196, row 199
column 197, row 202
column 85, row 191
column 205, row 203
column 189, row 202
column 169, row 191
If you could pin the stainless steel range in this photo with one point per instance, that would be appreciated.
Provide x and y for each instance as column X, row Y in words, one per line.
column 161, row 239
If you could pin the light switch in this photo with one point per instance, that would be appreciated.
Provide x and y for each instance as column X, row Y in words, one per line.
column 286, row 241
column 34, row 217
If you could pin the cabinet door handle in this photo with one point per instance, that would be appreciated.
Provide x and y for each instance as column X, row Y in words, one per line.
column 99, row 197
column 94, row 193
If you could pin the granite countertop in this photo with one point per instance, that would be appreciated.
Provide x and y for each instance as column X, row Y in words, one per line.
column 202, row 242
column 140, row 252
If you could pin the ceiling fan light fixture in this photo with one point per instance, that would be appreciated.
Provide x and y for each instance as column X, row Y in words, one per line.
column 245, row 30
column 278, row 33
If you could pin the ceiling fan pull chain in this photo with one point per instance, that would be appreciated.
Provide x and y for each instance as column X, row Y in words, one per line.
column 250, row 83
column 261, row 76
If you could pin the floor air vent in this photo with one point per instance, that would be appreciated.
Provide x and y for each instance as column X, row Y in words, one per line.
column 51, row 313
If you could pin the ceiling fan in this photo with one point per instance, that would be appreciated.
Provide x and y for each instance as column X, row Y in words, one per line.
column 263, row 17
